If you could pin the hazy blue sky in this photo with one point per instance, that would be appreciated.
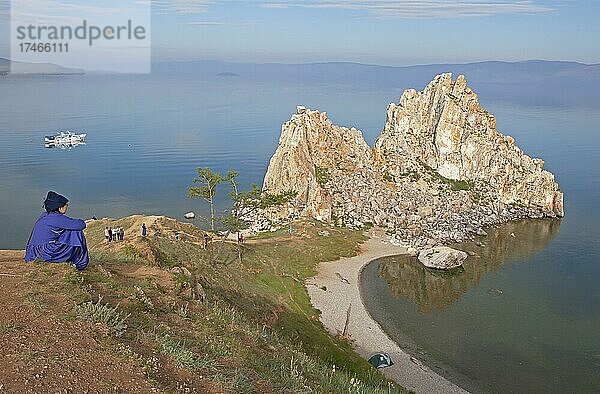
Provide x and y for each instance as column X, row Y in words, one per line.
column 376, row 31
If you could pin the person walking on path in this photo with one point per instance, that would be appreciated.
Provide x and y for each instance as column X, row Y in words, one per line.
column 206, row 238
column 144, row 230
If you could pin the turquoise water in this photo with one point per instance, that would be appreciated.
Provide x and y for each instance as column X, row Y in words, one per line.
column 148, row 134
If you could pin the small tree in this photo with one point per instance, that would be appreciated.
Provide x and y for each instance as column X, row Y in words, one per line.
column 248, row 203
column 232, row 177
column 245, row 204
column 209, row 181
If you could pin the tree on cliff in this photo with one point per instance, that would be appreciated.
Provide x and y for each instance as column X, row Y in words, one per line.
column 209, row 181
column 246, row 204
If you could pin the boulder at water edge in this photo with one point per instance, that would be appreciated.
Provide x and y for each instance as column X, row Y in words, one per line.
column 442, row 258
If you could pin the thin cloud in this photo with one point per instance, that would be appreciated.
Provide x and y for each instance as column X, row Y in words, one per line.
column 58, row 6
column 419, row 9
column 65, row 13
column 205, row 23
column 182, row 6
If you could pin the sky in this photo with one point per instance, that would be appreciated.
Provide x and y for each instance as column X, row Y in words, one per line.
column 387, row 32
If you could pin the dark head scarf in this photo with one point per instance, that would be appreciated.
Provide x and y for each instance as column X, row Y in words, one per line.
column 54, row 201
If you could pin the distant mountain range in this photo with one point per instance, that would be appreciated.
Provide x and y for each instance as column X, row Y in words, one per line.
column 35, row 68
column 533, row 81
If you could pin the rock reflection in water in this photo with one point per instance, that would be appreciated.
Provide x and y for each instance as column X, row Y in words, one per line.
column 431, row 289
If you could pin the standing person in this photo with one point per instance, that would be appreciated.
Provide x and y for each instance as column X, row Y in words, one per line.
column 57, row 238
column 122, row 233
column 144, row 230
column 206, row 237
column 107, row 234
column 110, row 234
column 290, row 230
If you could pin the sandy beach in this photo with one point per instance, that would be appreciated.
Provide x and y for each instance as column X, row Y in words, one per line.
column 366, row 334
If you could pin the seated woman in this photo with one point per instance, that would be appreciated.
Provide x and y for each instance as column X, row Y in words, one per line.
column 56, row 237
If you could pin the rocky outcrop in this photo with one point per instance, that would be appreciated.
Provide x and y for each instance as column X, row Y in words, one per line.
column 439, row 171
column 442, row 258
column 312, row 152
column 444, row 128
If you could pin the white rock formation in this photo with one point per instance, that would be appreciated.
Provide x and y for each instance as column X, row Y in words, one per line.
column 444, row 128
column 309, row 147
column 439, row 172
column 442, row 258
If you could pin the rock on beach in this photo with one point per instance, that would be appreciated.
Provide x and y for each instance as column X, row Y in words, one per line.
column 442, row 258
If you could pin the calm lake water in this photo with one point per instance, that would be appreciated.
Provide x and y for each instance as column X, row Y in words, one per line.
column 524, row 314
column 148, row 134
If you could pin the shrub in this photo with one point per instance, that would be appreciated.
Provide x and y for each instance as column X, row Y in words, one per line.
column 181, row 355
column 322, row 175
column 103, row 313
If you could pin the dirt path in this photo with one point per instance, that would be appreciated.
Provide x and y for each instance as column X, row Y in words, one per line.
column 43, row 348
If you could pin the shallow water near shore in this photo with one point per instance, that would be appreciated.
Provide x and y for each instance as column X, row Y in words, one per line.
column 516, row 318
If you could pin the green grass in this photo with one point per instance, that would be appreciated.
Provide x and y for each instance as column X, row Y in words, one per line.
column 455, row 185
column 9, row 328
column 33, row 298
column 96, row 312
column 412, row 176
column 181, row 355
column 103, row 256
column 323, row 176
column 257, row 329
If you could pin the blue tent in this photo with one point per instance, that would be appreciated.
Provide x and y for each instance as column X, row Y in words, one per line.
column 381, row 360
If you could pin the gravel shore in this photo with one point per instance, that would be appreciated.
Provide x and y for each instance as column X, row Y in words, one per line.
column 366, row 334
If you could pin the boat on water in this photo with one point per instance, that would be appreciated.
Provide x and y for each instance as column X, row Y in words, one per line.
column 64, row 145
column 64, row 138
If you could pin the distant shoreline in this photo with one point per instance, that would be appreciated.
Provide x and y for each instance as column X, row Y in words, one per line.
column 365, row 333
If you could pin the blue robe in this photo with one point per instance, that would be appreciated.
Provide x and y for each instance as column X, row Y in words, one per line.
column 58, row 238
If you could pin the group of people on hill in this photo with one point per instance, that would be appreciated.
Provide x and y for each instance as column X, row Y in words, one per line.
column 114, row 234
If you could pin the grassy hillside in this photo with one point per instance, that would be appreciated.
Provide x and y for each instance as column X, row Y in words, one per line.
column 254, row 329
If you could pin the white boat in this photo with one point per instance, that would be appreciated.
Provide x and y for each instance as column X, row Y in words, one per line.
column 65, row 137
column 64, row 145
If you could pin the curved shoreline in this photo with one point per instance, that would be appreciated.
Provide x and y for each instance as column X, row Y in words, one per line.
column 365, row 333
